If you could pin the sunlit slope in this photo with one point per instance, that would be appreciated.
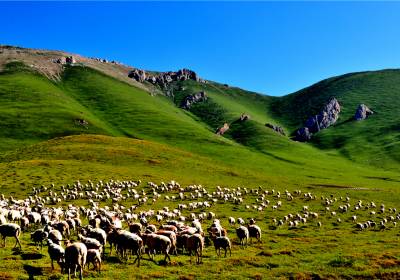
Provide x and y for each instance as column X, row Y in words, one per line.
column 34, row 109
column 37, row 146
column 373, row 141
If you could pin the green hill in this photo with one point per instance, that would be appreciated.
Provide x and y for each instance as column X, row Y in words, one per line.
column 85, row 101
column 374, row 141
column 88, row 121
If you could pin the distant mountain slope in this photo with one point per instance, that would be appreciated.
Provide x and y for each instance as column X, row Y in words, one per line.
column 43, row 118
column 371, row 141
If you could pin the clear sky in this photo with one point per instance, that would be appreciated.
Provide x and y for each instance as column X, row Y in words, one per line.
column 269, row 47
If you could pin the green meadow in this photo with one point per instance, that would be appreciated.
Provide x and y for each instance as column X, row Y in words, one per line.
column 132, row 135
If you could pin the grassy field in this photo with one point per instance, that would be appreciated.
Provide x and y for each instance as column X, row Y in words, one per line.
column 336, row 250
column 133, row 135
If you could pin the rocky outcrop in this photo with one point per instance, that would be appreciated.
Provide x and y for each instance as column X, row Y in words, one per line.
column 276, row 128
column 362, row 112
column 223, row 129
column 162, row 79
column 193, row 99
column 303, row 134
column 82, row 122
column 65, row 60
column 327, row 117
column 138, row 75
column 244, row 117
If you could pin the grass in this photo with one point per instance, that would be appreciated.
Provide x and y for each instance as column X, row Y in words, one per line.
column 133, row 135
column 335, row 250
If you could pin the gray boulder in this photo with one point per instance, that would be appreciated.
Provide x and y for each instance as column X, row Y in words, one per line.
column 244, row 117
column 163, row 79
column 303, row 134
column 362, row 112
column 276, row 128
column 70, row 60
column 138, row 74
column 192, row 99
column 327, row 117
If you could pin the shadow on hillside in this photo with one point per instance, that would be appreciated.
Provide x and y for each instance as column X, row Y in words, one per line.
column 31, row 256
column 33, row 271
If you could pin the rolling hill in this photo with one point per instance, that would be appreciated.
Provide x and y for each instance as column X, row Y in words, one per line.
column 89, row 120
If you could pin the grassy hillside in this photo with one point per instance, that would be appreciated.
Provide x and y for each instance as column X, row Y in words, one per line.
column 38, row 109
column 132, row 135
column 374, row 141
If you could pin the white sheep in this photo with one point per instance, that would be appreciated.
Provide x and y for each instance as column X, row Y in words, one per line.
column 75, row 258
column 10, row 230
column 56, row 253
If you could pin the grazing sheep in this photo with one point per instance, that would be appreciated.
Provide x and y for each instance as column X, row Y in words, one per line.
column 169, row 227
column 135, row 228
column 38, row 237
column 56, row 253
column 195, row 243
column 254, row 232
column 112, row 239
column 125, row 241
column 222, row 242
column 231, row 220
column 2, row 219
column 94, row 257
column 151, row 228
column 55, row 236
column 63, row 228
column 90, row 243
column 34, row 218
column 71, row 224
column 243, row 235
column 24, row 222
column 98, row 234
column 75, row 258
column 155, row 242
column 172, row 236
column 181, row 240
column 10, row 230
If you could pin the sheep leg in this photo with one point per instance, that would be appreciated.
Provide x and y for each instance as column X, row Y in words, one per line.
column 80, row 272
column 168, row 256
column 138, row 257
column 52, row 264
column 17, row 242
column 230, row 252
column 225, row 249
column 69, row 272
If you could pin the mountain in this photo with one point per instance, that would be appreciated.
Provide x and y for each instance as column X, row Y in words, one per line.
column 87, row 119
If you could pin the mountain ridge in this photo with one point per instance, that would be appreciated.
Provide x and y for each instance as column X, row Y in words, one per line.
column 86, row 100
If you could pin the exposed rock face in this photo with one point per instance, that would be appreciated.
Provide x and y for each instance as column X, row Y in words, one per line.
column 65, row 60
column 276, row 128
column 192, row 99
column 138, row 75
column 244, row 117
column 222, row 130
column 327, row 117
column 61, row 60
column 362, row 112
column 70, row 60
column 164, row 78
column 82, row 122
column 303, row 134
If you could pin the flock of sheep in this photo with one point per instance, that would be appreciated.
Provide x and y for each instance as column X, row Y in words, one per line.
column 164, row 231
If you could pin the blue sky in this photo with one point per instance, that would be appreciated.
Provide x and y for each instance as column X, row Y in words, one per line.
column 270, row 47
